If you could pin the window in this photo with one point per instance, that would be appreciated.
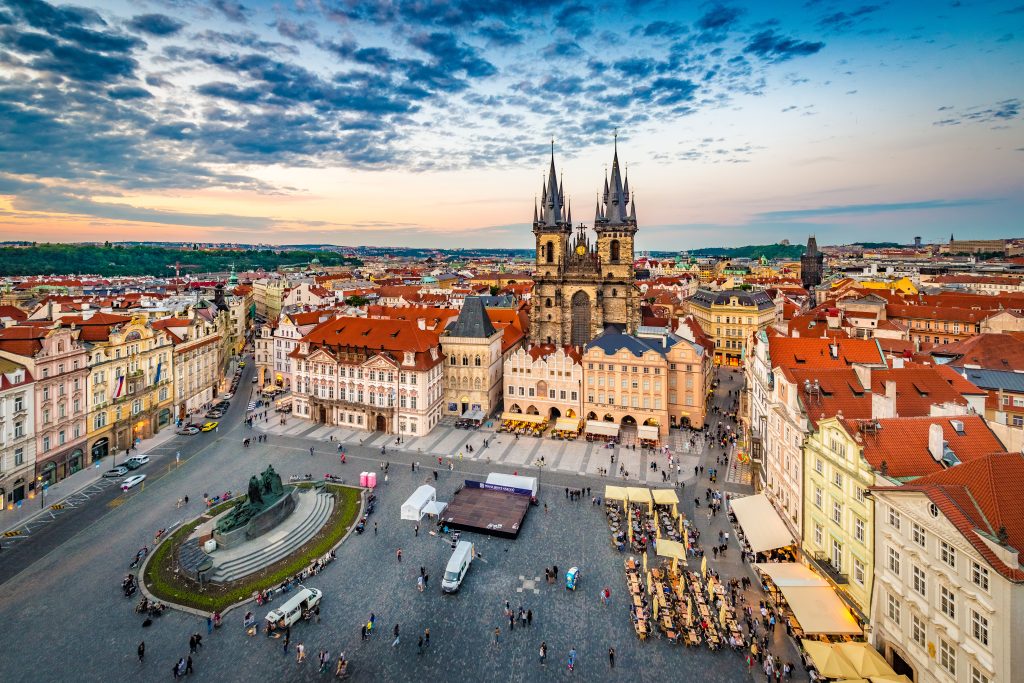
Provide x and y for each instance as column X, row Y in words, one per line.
column 818, row 535
column 979, row 627
column 858, row 492
column 947, row 602
column 894, row 518
column 978, row 676
column 917, row 533
column 46, row 443
column 858, row 571
column 837, row 512
column 511, row 390
column 892, row 608
column 819, row 466
column 979, row 576
column 947, row 553
column 817, row 497
column 919, row 581
column 947, row 657
column 917, row 630
column 19, row 456
column 893, row 561
column 837, row 479
column 837, row 555
column 858, row 529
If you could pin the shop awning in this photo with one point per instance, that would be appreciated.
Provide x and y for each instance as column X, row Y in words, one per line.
column 664, row 497
column 761, row 524
column 473, row 414
column 639, row 494
column 523, row 417
column 865, row 659
column 829, row 663
column 648, row 432
column 790, row 574
column 568, row 424
column 602, row 428
column 615, row 493
column 668, row 548
column 820, row 611
column 850, row 661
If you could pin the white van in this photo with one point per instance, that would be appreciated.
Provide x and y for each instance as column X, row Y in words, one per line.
column 287, row 614
column 457, row 567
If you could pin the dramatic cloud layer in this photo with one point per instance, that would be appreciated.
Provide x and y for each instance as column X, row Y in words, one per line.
column 193, row 100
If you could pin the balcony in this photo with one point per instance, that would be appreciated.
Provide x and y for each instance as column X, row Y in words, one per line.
column 824, row 565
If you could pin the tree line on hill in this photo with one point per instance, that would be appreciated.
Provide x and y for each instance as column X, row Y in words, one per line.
column 114, row 260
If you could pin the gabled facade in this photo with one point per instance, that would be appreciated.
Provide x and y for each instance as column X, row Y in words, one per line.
column 17, row 433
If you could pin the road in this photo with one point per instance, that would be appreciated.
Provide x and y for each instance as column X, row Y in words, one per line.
column 105, row 496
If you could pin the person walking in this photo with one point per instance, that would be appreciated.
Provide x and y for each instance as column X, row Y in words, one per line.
column 287, row 639
column 209, row 624
column 572, row 658
column 416, row 530
column 419, row 646
column 529, row 617
column 543, row 654
column 398, row 554
column 300, row 653
column 188, row 665
column 419, row 583
column 142, row 651
column 426, row 637
column 394, row 643
column 611, row 657
column 497, row 634
column 375, row 528
column 192, row 644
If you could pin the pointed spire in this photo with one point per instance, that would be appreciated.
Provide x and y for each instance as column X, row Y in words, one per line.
column 553, row 204
column 597, row 212
column 616, row 201
column 568, row 212
column 535, row 210
column 606, row 184
column 632, row 209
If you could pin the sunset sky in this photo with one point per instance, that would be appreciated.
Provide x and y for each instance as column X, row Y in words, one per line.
column 429, row 123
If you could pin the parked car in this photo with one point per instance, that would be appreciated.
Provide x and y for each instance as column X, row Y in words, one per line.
column 227, row 396
column 242, row 364
column 118, row 471
column 189, row 430
column 132, row 464
column 139, row 461
column 132, row 481
column 255, row 379
column 210, row 426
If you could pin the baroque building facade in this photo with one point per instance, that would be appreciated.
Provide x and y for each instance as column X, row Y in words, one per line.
column 582, row 286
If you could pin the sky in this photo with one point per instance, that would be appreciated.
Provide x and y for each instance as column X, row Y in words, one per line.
column 429, row 123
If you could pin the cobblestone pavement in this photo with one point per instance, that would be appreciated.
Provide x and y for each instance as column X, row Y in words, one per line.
column 68, row 601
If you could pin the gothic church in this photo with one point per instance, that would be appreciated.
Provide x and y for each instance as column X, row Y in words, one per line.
column 583, row 285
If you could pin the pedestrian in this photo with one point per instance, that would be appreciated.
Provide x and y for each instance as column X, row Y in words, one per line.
column 426, row 637
column 300, row 653
column 419, row 583
column 511, row 621
column 435, row 475
column 316, row 611
column 375, row 528
column 188, row 665
column 543, row 653
column 394, row 643
column 611, row 657
column 419, row 646
column 567, row 492
column 362, row 632
column 497, row 634
column 209, row 624
column 287, row 639
column 572, row 658
column 417, row 529
column 142, row 650
column 529, row 617
column 192, row 644
column 398, row 554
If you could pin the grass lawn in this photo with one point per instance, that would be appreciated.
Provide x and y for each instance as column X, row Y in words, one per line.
column 165, row 583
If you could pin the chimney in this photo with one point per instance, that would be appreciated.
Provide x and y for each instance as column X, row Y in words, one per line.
column 833, row 350
column 936, row 442
column 863, row 373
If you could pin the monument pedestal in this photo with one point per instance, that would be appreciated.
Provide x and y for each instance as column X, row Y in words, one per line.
column 263, row 522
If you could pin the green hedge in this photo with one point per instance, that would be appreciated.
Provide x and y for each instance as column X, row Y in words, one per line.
column 164, row 584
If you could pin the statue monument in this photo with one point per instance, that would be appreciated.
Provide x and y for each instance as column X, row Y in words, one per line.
column 267, row 504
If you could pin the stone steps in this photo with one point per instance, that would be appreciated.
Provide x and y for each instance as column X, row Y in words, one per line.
column 313, row 514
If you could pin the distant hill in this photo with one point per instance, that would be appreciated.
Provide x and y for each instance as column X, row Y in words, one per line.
column 70, row 259
column 769, row 251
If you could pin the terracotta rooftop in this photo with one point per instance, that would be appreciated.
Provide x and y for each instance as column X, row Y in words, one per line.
column 983, row 497
column 902, row 442
column 815, row 352
column 991, row 351
column 538, row 351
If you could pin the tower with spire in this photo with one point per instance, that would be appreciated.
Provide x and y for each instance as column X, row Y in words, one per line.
column 812, row 265
column 584, row 280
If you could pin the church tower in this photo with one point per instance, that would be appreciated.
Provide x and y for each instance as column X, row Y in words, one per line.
column 582, row 285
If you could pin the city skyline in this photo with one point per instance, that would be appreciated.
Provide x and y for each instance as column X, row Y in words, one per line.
column 416, row 124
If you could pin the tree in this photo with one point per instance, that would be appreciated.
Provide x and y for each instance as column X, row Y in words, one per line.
column 495, row 289
column 357, row 300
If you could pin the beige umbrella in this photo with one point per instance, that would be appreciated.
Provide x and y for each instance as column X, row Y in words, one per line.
column 865, row 659
column 645, row 567
column 704, row 566
column 654, row 608
column 830, row 662
column 895, row 678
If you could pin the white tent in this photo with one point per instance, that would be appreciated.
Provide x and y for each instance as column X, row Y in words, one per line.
column 602, row 428
column 435, row 508
column 762, row 525
column 413, row 509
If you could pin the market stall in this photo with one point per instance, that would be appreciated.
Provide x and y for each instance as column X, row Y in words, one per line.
column 648, row 436
column 641, row 496
column 413, row 508
column 818, row 610
column 666, row 497
column 523, row 423
column 567, row 428
column 597, row 429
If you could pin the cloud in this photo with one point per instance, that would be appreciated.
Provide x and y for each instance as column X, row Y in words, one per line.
column 156, row 24
column 305, row 32
column 856, row 209
column 664, row 29
column 998, row 113
column 719, row 18
column 503, row 36
column 770, row 46
column 845, row 20
column 233, row 10
column 563, row 49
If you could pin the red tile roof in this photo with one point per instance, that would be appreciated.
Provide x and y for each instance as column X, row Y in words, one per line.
column 815, row 352
column 376, row 335
column 902, row 443
column 990, row 351
column 13, row 312
column 981, row 497
column 23, row 340
column 538, row 351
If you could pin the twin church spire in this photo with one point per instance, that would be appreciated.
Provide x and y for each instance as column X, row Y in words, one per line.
column 614, row 208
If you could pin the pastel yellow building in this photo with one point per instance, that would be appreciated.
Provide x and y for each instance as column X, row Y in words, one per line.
column 731, row 318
